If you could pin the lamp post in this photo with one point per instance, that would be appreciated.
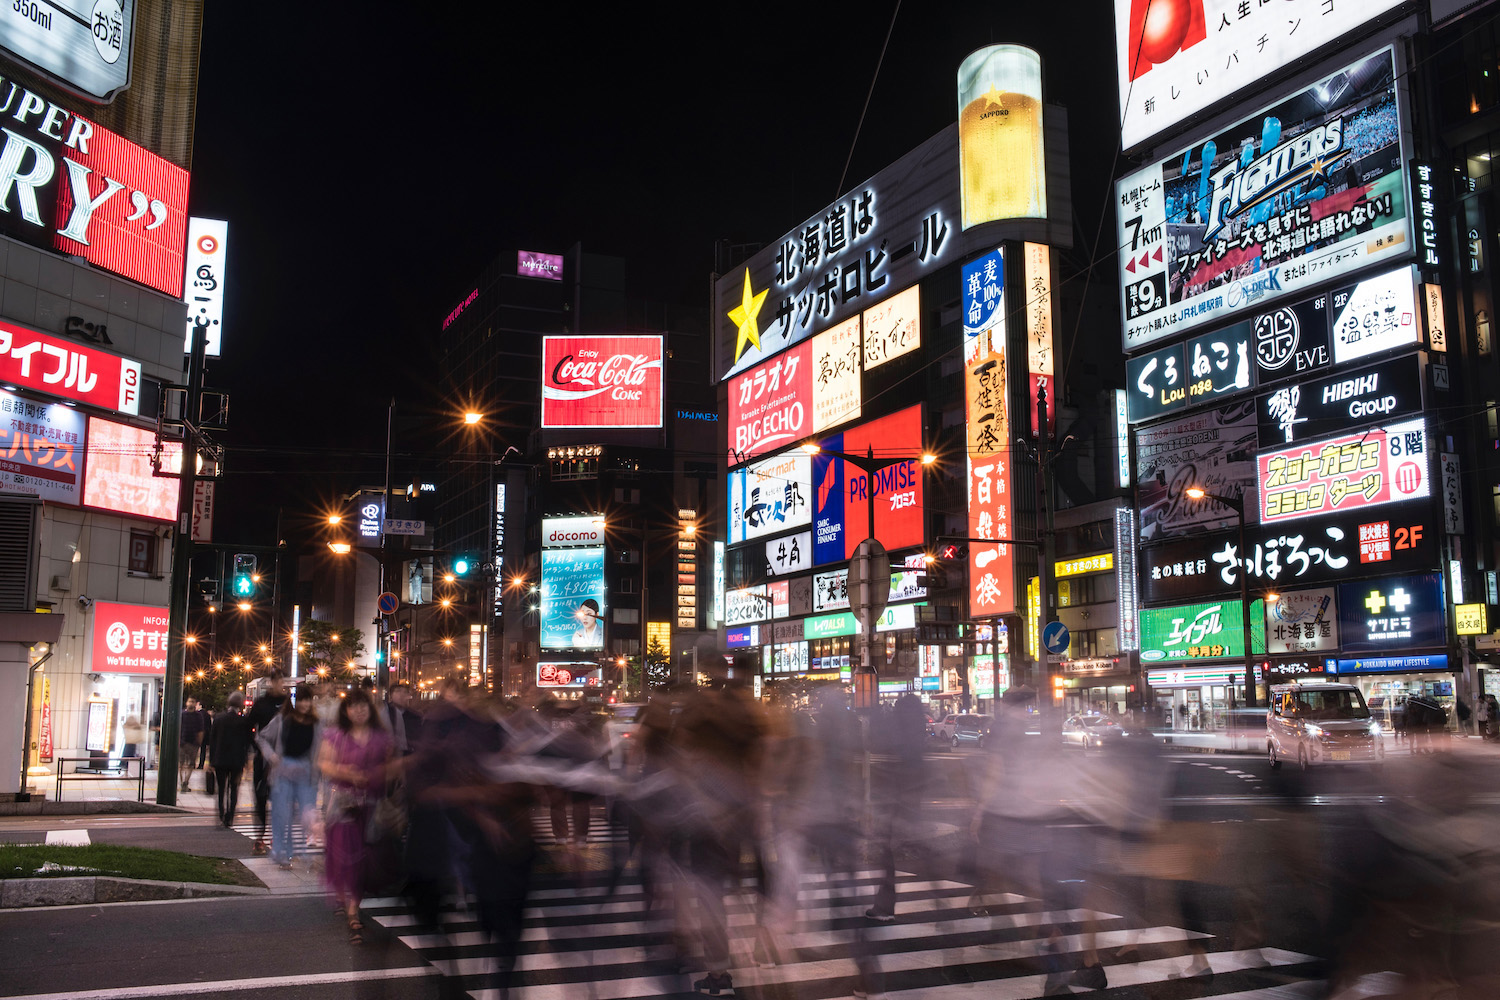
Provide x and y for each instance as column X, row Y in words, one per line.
column 1237, row 504
column 870, row 466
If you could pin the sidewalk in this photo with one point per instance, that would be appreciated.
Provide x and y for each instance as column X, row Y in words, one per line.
column 86, row 793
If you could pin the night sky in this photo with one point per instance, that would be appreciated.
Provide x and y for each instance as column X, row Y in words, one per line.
column 372, row 158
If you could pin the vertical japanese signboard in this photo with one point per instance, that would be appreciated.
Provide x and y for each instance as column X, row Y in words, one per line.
column 1039, row 331
column 1127, row 593
column 203, row 282
column 1304, row 192
column 1424, row 198
column 991, row 572
column 893, row 327
column 1453, row 496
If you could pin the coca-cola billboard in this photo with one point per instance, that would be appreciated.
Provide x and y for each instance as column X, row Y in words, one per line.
column 601, row 381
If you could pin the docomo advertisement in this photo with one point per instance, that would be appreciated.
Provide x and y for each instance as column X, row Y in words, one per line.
column 1379, row 466
column 565, row 532
column 601, row 381
column 117, row 473
column 41, row 449
column 1298, row 195
column 68, row 369
column 842, row 490
column 1000, row 150
column 1176, row 58
column 129, row 639
column 992, row 588
column 78, row 188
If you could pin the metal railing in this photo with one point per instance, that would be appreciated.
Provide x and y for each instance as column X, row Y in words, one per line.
column 63, row 774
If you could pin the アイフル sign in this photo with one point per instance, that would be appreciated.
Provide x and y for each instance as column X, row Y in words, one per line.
column 68, row 369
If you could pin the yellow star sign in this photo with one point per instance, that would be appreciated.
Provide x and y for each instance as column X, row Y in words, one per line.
column 992, row 97
column 743, row 316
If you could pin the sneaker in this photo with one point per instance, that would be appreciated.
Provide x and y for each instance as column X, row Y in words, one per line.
column 715, row 984
column 884, row 918
column 258, row 848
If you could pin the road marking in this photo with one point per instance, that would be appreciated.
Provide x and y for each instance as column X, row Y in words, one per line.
column 239, row 985
column 68, row 838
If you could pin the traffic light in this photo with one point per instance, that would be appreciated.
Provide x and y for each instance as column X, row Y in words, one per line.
column 945, row 567
column 462, row 565
column 244, row 574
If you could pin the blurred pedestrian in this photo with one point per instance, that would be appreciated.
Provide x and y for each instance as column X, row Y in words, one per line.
column 289, row 745
column 355, row 758
column 208, row 732
column 262, row 711
column 229, row 748
column 1494, row 716
column 189, row 741
column 897, row 793
column 405, row 722
column 137, row 737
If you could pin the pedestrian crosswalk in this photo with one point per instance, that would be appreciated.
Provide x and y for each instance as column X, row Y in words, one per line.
column 604, row 944
column 247, row 827
column 600, row 831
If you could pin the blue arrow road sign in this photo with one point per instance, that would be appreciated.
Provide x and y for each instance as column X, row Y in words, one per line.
column 1055, row 637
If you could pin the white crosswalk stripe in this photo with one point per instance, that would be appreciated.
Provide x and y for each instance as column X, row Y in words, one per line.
column 249, row 829
column 592, row 942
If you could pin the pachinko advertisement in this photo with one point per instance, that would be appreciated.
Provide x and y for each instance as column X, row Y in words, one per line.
column 601, row 381
column 1300, row 194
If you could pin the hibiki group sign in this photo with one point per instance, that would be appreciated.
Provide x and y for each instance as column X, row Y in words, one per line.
column 1176, row 58
column 78, row 188
column 129, row 639
column 601, row 381
column 1256, row 213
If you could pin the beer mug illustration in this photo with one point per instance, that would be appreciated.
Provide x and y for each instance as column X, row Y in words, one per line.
column 1000, row 150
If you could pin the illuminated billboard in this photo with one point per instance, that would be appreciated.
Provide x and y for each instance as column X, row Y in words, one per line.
column 841, row 505
column 1002, row 168
column 567, row 674
column 117, row 473
column 884, row 234
column 128, row 639
column 1302, row 621
column 601, row 381
column 1315, row 408
column 987, row 437
column 573, row 599
column 770, row 496
column 68, row 369
column 1302, row 193
column 1213, row 449
column 1176, row 58
column 203, row 282
column 566, row 532
column 1392, row 614
column 82, row 190
column 1379, row 466
column 84, row 45
column 798, row 392
column 530, row 264
column 835, row 375
column 41, row 449
column 1209, row 631
column 893, row 328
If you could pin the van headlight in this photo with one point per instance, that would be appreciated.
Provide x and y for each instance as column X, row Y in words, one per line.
column 1316, row 732
column 1375, row 729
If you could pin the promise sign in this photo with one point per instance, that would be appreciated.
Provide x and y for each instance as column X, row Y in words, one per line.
column 601, row 382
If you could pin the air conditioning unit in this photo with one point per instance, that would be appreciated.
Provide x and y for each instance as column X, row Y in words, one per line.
column 62, row 582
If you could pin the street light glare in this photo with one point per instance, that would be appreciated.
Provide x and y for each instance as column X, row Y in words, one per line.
column 928, row 458
column 811, row 447
column 335, row 518
column 471, row 417
column 245, row 605
column 1196, row 492
column 1272, row 597
column 339, row 548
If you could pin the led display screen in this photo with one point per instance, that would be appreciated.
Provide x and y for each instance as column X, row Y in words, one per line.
column 118, row 476
column 573, row 598
column 601, row 382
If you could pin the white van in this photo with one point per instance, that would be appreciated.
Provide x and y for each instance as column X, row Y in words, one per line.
column 1321, row 723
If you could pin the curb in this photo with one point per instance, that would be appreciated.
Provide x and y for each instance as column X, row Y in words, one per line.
column 19, row 893
column 93, row 807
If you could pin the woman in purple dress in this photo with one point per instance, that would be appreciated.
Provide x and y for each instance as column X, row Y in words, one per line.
column 354, row 758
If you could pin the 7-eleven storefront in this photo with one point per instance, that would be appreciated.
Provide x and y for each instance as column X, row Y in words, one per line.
column 1198, row 699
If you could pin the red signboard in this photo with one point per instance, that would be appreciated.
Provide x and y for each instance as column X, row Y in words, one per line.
column 601, row 381
column 1378, row 466
column 770, row 406
column 117, row 473
column 898, row 487
column 68, row 369
column 129, row 639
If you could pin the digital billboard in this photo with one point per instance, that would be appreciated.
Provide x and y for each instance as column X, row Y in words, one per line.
column 1002, row 168
column 84, row 45
column 1214, row 450
column 770, row 496
column 987, row 436
column 1382, row 465
column 117, row 473
column 129, row 639
column 68, row 369
column 41, row 449
column 573, row 602
column 1176, row 58
column 601, row 381
column 1318, row 407
column 203, row 282
column 1210, row 631
column 1308, row 190
column 1393, row 614
column 893, row 328
column 530, row 264
column 841, row 502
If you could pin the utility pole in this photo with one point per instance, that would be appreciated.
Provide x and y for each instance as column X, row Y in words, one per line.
column 182, row 572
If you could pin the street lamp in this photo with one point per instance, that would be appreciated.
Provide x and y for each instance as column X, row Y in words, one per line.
column 1237, row 504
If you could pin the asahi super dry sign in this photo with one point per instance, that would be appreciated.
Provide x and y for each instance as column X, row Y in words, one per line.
column 601, row 382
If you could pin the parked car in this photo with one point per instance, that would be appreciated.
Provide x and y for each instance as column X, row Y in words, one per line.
column 1321, row 723
column 971, row 730
column 942, row 729
column 1091, row 731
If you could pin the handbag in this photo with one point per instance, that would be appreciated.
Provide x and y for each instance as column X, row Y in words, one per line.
column 387, row 820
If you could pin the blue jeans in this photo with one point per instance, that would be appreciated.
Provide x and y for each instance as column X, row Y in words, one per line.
column 293, row 793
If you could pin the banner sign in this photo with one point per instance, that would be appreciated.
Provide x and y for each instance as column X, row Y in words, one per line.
column 41, row 449
column 203, row 282
column 79, row 189
column 1198, row 632
column 1214, row 449
column 831, row 589
column 117, row 472
column 569, row 673
column 1037, row 258
column 44, row 739
column 1382, row 465
column 1328, row 550
column 573, row 598
column 1391, row 664
column 746, row 605
column 830, row 626
column 791, row 554
column 789, row 658
column 835, row 375
column 84, row 45
column 1392, row 614
column 68, row 369
column 770, row 496
column 129, row 639
column 1185, row 57
column 1310, row 189
column 884, row 234
column 893, row 328
column 1452, row 489
column 992, row 585
column 742, row 637
column 567, row 532
column 1471, row 619
column 590, row 381
column 841, row 514
column 1337, row 402
column 1302, row 621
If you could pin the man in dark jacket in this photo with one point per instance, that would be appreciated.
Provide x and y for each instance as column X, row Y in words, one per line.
column 261, row 713
column 189, row 741
column 229, row 748
column 404, row 723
